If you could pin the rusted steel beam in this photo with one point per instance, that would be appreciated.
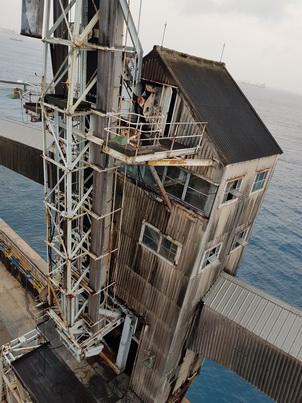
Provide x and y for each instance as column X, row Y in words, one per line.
column 182, row 162
column 161, row 187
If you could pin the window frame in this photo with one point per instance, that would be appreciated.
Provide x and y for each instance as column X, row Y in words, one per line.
column 208, row 195
column 235, row 192
column 205, row 258
column 263, row 181
column 161, row 238
column 240, row 241
column 185, row 184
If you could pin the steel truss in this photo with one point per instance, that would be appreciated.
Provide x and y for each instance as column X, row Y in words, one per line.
column 68, row 192
column 79, row 294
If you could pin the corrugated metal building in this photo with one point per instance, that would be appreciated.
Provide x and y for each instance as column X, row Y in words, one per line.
column 174, row 236
column 170, row 256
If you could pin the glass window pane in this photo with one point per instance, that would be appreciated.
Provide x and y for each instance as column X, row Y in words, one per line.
column 230, row 190
column 160, row 172
column 174, row 181
column 132, row 170
column 147, row 176
column 151, row 238
column 199, row 184
column 168, row 249
column 195, row 199
column 175, row 190
column 177, row 174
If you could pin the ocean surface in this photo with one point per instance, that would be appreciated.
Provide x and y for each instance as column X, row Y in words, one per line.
column 273, row 258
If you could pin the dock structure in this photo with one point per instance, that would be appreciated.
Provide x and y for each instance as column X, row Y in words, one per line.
column 153, row 178
column 22, row 261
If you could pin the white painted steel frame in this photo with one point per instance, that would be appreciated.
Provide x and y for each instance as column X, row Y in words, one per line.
column 67, row 190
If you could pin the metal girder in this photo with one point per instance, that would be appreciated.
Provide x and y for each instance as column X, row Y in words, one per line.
column 79, row 169
column 68, row 173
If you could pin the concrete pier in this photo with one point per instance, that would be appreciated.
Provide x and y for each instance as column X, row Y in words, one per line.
column 17, row 307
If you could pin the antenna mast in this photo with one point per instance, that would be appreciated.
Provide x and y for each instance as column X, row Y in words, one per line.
column 162, row 41
column 223, row 46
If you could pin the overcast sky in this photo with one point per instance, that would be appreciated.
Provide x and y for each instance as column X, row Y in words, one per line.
column 263, row 38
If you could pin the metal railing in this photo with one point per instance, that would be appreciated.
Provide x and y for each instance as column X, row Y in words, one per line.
column 139, row 133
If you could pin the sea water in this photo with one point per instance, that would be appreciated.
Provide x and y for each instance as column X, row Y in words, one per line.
column 273, row 258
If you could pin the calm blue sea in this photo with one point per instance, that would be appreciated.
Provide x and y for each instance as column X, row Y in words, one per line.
column 272, row 260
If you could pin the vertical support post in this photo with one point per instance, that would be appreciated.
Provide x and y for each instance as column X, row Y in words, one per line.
column 125, row 344
column 109, row 73
column 1, row 378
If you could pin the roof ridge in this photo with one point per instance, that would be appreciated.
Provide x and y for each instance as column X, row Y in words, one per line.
column 161, row 49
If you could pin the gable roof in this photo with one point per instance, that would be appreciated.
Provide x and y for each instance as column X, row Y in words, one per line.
column 214, row 97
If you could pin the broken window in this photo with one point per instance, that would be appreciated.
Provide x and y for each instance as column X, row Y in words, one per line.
column 160, row 244
column 174, row 181
column 179, row 184
column 211, row 257
column 231, row 191
column 197, row 191
column 259, row 181
column 240, row 239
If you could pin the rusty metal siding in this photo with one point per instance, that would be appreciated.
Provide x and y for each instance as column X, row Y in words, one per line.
column 22, row 159
column 151, row 287
column 253, row 334
column 21, row 148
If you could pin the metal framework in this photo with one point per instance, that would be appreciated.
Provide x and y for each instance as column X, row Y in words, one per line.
column 80, row 171
column 11, row 389
column 69, row 172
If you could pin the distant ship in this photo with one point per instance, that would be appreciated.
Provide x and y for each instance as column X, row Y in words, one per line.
column 253, row 84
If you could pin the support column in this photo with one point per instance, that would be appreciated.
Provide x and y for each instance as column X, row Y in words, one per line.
column 125, row 343
column 108, row 87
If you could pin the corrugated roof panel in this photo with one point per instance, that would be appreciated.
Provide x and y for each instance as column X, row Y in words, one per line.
column 256, row 315
column 297, row 344
column 263, row 318
column 219, row 292
column 290, row 340
column 24, row 134
column 270, row 322
column 243, row 307
column 250, row 310
column 285, row 331
column 300, row 354
column 225, row 296
column 275, row 330
column 240, row 300
column 230, row 305
column 266, row 317
column 234, row 126
column 211, row 297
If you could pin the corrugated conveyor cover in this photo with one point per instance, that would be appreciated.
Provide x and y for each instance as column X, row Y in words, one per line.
column 255, row 335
